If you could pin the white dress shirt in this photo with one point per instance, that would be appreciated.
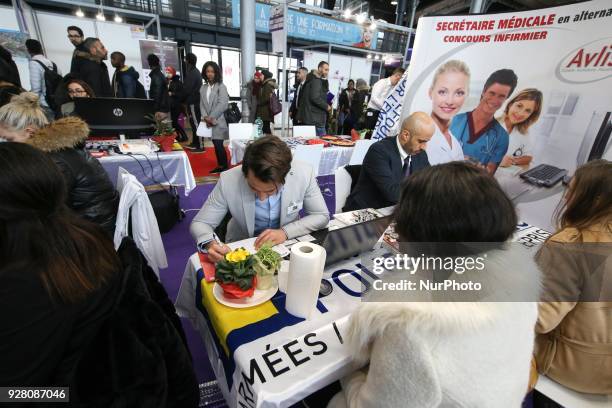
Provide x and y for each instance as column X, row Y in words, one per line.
column 380, row 91
column 438, row 150
column 208, row 91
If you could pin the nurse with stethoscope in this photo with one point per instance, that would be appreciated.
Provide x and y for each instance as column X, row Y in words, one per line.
column 483, row 139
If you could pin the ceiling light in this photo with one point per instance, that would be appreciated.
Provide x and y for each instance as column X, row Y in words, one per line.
column 347, row 13
column 373, row 25
column 394, row 3
column 360, row 18
column 369, row 56
column 377, row 57
column 79, row 13
column 118, row 19
column 100, row 16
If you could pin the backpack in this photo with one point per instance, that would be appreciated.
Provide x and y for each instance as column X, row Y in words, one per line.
column 52, row 82
column 275, row 105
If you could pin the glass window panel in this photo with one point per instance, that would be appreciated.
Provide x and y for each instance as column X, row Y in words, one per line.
column 231, row 72
column 205, row 54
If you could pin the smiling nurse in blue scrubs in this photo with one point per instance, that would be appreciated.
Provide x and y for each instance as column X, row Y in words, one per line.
column 482, row 138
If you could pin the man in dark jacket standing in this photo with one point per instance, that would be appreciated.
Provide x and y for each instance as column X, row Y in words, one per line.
column 193, row 83
column 158, row 89
column 300, row 78
column 76, row 37
column 312, row 105
column 389, row 161
column 125, row 79
column 90, row 67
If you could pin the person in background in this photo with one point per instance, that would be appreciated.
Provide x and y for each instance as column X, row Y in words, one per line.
column 213, row 103
column 344, row 108
column 92, row 69
column 253, row 88
column 449, row 88
column 268, row 87
column 91, row 194
column 574, row 330
column 380, row 91
column 483, row 140
column 389, row 161
column 76, row 37
column 72, row 88
column 300, row 78
column 521, row 112
column 312, row 103
column 158, row 89
column 273, row 189
column 358, row 105
column 10, row 82
column 447, row 353
column 38, row 65
column 192, row 82
column 125, row 79
column 178, row 97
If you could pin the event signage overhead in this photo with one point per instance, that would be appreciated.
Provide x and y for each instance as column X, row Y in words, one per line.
column 558, row 114
column 311, row 27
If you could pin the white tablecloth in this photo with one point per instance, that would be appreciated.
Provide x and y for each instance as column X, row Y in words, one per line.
column 276, row 360
column 148, row 168
column 332, row 158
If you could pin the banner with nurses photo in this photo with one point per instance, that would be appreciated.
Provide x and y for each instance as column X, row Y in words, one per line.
column 514, row 90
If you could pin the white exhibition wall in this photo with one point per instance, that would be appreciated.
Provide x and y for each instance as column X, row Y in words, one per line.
column 115, row 36
column 341, row 69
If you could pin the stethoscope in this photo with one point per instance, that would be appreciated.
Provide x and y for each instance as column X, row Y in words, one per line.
column 490, row 146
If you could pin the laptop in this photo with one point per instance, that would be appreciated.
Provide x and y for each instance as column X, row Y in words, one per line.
column 544, row 175
column 354, row 239
column 115, row 114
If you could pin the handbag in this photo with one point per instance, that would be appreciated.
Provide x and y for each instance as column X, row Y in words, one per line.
column 165, row 202
column 275, row 106
column 232, row 113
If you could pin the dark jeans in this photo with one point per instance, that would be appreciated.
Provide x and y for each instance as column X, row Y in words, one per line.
column 195, row 116
column 181, row 136
column 266, row 127
column 321, row 131
column 371, row 118
column 220, row 153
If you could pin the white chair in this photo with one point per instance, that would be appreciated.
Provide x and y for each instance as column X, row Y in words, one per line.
column 310, row 154
column 360, row 150
column 244, row 131
column 570, row 398
column 307, row 132
column 342, row 182
column 145, row 230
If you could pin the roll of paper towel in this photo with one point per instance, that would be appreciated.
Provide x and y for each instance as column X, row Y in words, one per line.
column 305, row 273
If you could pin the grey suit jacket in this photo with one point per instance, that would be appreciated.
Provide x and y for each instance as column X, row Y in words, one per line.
column 233, row 194
column 219, row 99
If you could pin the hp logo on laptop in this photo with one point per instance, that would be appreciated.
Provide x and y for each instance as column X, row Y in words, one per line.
column 118, row 112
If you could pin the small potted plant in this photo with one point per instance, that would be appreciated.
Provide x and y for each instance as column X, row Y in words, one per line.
column 236, row 275
column 267, row 263
column 164, row 134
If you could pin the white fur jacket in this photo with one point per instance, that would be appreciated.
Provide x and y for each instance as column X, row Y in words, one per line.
column 436, row 354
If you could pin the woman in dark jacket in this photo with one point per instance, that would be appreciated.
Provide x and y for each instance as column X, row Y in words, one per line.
column 263, row 101
column 91, row 194
column 74, row 312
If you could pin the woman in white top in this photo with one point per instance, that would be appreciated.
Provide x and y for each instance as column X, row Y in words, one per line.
column 521, row 112
column 448, row 92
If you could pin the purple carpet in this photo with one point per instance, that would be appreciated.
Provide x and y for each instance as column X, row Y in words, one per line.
column 179, row 247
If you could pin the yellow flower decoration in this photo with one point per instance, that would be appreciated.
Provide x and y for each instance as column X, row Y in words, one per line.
column 237, row 255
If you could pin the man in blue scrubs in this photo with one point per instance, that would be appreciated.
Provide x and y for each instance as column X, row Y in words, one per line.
column 483, row 139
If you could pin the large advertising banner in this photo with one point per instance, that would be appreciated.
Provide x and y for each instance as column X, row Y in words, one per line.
column 168, row 56
column 519, row 90
column 311, row 27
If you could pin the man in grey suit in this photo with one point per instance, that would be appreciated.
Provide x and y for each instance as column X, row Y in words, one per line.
column 264, row 197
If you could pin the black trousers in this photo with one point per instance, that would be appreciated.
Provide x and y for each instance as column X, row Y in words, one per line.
column 371, row 118
column 220, row 153
column 180, row 132
column 266, row 127
column 195, row 116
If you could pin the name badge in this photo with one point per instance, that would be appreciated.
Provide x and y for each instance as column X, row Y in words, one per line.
column 294, row 207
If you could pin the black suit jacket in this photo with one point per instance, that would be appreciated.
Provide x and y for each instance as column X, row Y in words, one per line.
column 381, row 176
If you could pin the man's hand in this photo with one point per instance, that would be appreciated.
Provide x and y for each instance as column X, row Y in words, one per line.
column 506, row 162
column 273, row 236
column 217, row 251
column 161, row 115
column 329, row 108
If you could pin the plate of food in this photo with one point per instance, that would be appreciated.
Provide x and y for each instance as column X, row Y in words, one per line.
column 342, row 142
column 245, row 280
